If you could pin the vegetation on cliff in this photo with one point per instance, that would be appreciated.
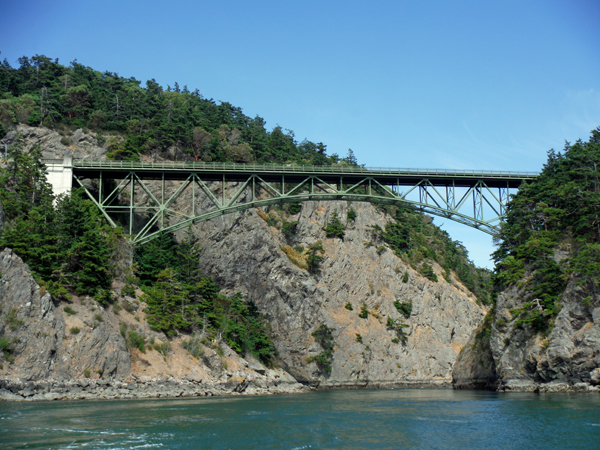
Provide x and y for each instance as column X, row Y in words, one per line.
column 412, row 236
column 179, row 298
column 65, row 243
column 71, row 250
column 552, row 233
column 132, row 119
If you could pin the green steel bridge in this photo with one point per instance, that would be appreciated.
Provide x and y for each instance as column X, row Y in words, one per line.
column 172, row 195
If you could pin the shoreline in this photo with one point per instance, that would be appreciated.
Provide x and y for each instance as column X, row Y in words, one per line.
column 50, row 390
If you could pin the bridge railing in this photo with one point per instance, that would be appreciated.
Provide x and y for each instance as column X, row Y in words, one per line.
column 291, row 168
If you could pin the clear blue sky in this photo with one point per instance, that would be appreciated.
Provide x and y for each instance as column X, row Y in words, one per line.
column 454, row 84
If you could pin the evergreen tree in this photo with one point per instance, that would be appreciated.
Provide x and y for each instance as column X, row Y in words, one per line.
column 335, row 227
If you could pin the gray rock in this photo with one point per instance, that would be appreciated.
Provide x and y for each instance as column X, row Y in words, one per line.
column 213, row 361
column 36, row 330
column 524, row 360
column 243, row 254
column 79, row 145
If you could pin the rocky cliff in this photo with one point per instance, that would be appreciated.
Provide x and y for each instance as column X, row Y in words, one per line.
column 56, row 145
column 506, row 356
column 244, row 253
column 78, row 349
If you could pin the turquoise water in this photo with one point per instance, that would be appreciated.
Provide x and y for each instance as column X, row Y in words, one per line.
column 374, row 419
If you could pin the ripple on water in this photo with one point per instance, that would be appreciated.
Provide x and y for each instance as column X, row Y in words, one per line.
column 415, row 419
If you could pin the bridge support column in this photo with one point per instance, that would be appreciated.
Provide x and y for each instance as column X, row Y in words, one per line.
column 60, row 175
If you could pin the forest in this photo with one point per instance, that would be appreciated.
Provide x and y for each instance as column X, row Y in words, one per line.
column 138, row 120
column 552, row 233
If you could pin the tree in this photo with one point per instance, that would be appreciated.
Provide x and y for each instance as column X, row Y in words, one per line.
column 200, row 140
column 335, row 227
column 351, row 159
column 84, row 240
column 166, row 300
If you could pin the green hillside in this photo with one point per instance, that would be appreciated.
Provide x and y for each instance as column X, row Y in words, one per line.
column 552, row 233
column 138, row 119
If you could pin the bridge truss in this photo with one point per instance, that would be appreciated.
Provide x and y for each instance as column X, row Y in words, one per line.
column 170, row 196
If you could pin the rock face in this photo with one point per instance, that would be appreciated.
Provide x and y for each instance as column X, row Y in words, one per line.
column 567, row 359
column 37, row 333
column 28, row 322
column 244, row 254
column 80, row 145
column 77, row 350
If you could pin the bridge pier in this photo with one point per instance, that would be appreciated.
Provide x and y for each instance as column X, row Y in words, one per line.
column 60, row 175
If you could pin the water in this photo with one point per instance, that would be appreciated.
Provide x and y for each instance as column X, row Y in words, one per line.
column 376, row 419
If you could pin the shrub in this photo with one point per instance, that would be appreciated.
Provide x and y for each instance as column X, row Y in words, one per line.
column 87, row 373
column 74, row 330
column 348, row 306
column 404, row 308
column 351, row 215
column 294, row 208
column 314, row 260
column 405, row 277
column 128, row 290
column 194, row 347
column 135, row 340
column 104, row 297
column 314, row 263
column 364, row 311
column 427, row 271
column 359, row 338
column 397, row 326
column 98, row 317
column 13, row 322
column 324, row 336
column 129, row 307
column 289, row 228
column 5, row 345
column 6, row 349
column 165, row 348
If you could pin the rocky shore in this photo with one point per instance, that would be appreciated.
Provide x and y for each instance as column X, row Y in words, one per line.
column 276, row 382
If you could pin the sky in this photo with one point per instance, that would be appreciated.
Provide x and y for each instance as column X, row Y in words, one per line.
column 410, row 84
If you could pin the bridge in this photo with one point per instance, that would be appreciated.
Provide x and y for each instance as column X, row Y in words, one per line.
column 172, row 195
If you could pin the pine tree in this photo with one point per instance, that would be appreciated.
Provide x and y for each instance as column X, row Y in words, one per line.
column 335, row 227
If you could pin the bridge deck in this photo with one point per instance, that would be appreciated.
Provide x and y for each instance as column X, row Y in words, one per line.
column 272, row 172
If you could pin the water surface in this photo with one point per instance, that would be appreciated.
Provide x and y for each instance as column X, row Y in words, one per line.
column 364, row 419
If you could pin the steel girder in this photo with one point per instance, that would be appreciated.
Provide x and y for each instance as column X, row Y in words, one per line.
column 198, row 198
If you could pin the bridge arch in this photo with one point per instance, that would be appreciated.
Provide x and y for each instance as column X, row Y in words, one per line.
column 457, row 217
column 475, row 199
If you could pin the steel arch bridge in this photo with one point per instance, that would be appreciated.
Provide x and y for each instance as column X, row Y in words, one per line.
column 474, row 198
